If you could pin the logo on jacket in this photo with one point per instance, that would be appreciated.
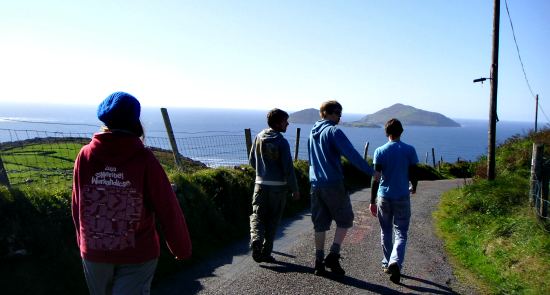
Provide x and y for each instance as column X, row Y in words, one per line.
column 111, row 211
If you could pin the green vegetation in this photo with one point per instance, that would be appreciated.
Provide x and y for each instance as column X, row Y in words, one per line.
column 37, row 238
column 459, row 169
column 48, row 162
column 38, row 251
column 496, row 240
column 41, row 162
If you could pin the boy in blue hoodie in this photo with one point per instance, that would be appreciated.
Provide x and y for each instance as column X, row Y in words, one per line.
column 329, row 198
column 270, row 157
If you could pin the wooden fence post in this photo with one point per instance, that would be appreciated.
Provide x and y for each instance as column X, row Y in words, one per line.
column 3, row 174
column 536, row 172
column 366, row 150
column 248, row 138
column 427, row 158
column 297, row 147
column 433, row 157
column 170, row 133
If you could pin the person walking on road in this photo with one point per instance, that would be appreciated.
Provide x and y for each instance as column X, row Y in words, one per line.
column 270, row 157
column 119, row 191
column 329, row 198
column 390, row 196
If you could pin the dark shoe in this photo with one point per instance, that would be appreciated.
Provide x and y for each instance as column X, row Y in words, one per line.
column 268, row 259
column 395, row 273
column 332, row 262
column 319, row 268
column 257, row 250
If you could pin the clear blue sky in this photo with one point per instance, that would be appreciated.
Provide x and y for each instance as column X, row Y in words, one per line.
column 367, row 54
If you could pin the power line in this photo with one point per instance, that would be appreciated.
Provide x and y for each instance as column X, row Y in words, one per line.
column 517, row 48
column 547, row 120
column 521, row 61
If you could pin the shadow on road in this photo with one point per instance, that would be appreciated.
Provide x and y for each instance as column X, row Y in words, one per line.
column 287, row 267
column 188, row 281
column 441, row 289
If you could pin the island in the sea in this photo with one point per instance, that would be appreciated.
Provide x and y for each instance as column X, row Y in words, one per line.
column 408, row 115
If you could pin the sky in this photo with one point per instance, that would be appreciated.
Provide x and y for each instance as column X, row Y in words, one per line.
column 289, row 54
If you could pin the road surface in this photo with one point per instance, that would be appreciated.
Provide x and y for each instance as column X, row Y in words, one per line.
column 426, row 269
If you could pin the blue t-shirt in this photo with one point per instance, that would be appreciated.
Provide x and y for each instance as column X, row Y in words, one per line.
column 395, row 158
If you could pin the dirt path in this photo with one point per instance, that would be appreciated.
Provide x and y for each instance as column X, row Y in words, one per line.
column 426, row 269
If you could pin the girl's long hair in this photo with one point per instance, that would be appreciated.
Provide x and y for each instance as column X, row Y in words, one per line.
column 134, row 129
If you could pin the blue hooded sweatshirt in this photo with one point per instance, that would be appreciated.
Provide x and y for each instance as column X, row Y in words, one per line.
column 326, row 145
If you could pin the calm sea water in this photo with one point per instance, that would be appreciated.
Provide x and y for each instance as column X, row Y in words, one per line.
column 450, row 143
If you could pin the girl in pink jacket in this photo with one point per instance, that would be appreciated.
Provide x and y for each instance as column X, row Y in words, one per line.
column 119, row 191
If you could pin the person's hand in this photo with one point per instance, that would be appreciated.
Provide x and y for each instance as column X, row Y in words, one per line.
column 412, row 190
column 373, row 210
column 377, row 176
column 295, row 196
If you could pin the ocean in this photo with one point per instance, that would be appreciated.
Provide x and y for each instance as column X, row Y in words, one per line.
column 468, row 142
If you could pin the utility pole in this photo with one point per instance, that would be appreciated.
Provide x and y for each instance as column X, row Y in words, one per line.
column 536, row 111
column 493, row 104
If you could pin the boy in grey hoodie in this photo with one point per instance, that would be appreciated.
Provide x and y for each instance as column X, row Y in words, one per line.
column 270, row 157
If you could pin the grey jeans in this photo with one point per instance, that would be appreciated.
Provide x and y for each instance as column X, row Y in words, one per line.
column 268, row 203
column 107, row 278
column 394, row 217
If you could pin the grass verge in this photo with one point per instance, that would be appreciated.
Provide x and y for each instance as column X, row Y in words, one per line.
column 494, row 237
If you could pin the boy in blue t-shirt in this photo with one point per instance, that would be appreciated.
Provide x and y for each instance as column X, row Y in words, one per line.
column 390, row 197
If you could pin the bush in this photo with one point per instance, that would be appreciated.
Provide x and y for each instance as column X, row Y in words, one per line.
column 38, row 243
column 459, row 169
column 354, row 179
column 495, row 197
column 427, row 172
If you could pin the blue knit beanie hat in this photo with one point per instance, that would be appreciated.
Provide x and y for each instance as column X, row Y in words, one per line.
column 119, row 110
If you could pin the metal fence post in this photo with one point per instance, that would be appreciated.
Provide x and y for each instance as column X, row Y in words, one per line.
column 3, row 174
column 297, row 147
column 171, row 137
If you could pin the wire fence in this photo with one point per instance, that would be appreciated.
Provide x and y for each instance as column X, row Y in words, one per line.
column 46, row 157
column 540, row 179
column 540, row 204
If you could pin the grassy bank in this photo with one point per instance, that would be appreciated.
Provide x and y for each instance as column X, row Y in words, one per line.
column 38, row 252
column 496, row 240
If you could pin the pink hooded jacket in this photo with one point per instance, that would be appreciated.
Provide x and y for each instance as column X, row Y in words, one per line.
column 119, row 190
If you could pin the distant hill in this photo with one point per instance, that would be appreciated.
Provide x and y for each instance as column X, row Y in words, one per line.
column 307, row 116
column 408, row 115
column 360, row 124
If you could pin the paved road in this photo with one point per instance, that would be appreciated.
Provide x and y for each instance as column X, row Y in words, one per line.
column 426, row 269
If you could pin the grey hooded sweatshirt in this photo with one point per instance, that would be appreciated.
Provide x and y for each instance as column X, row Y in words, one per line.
column 270, row 157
